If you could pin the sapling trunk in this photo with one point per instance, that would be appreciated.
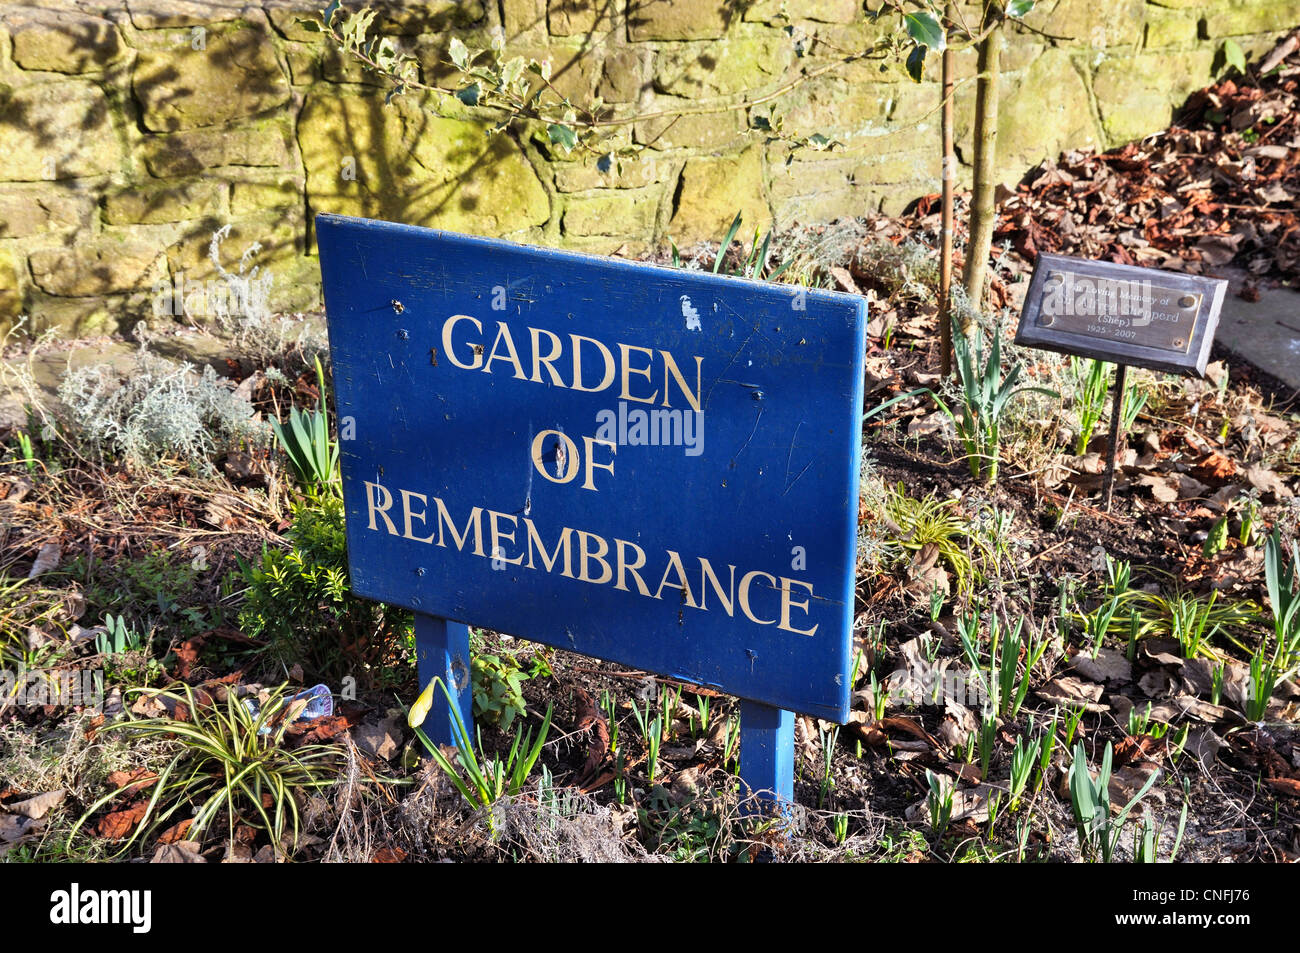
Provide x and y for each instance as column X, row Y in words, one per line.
column 948, row 173
column 982, row 213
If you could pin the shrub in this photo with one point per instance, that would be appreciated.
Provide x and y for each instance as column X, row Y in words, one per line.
column 298, row 600
column 161, row 410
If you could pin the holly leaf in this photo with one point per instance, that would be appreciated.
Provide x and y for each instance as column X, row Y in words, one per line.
column 469, row 95
column 459, row 53
column 1019, row 8
column 925, row 30
column 916, row 62
column 562, row 136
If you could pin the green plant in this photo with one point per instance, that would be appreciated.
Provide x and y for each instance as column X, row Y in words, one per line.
column 1266, row 670
column 126, row 651
column 498, row 689
column 481, row 781
column 931, row 521
column 117, row 637
column 230, row 763
column 828, row 740
column 298, row 601
column 26, row 455
column 987, row 740
column 755, row 262
column 1189, row 619
column 1140, row 723
column 312, row 450
column 1091, row 382
column 1024, row 758
column 610, row 707
column 1146, row 846
column 939, row 801
column 840, row 827
column 1119, row 576
column 1280, row 579
column 1098, row 831
column 1003, row 684
column 652, row 730
column 983, row 398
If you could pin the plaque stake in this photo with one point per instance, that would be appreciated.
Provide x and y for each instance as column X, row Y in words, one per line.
column 1108, row 484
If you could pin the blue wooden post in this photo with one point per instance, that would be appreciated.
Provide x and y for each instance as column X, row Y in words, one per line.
column 767, row 754
column 442, row 651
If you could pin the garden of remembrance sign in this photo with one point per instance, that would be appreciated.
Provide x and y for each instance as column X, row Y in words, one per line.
column 652, row 466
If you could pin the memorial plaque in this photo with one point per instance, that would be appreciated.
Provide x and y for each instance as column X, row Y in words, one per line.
column 653, row 466
column 1136, row 316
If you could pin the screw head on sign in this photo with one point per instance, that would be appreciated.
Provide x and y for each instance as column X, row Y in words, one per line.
column 1178, row 342
column 403, row 334
column 1186, row 301
column 398, row 307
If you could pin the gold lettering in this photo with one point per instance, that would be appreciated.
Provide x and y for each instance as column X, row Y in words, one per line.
column 447, row 327
column 539, row 361
column 475, row 519
column 608, row 358
column 497, row 536
column 586, row 555
column 787, row 602
column 408, row 515
column 625, row 567
column 627, row 368
column 745, row 583
column 503, row 334
column 381, row 509
column 670, row 368
column 675, row 565
column 549, row 563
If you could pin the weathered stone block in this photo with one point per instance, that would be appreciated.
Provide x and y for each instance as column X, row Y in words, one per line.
column 404, row 164
column 578, row 17
column 62, row 41
column 56, row 131
column 1251, row 16
column 624, row 76
column 1041, row 113
column 524, row 20
column 1137, row 94
column 99, row 267
column 41, row 209
column 714, row 189
column 678, row 20
column 200, row 150
column 700, row 131
column 1097, row 24
column 625, row 213
column 11, row 291
column 1167, row 28
column 235, row 75
column 154, row 204
column 824, row 11
column 630, row 174
column 718, row 69
column 155, row 14
column 248, row 197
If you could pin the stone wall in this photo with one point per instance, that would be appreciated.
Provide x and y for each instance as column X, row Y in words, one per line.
column 133, row 129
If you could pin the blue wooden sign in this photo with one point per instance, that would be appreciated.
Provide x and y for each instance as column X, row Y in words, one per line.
column 653, row 466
